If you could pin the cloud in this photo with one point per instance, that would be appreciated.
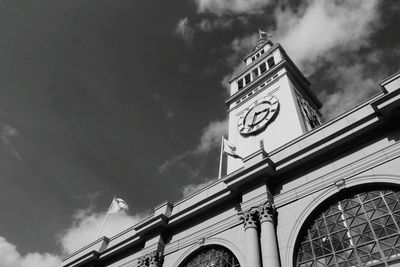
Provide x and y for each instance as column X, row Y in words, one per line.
column 7, row 133
column 170, row 114
column 86, row 224
column 353, row 83
column 189, row 161
column 155, row 97
column 207, row 25
column 211, row 136
column 191, row 188
column 183, row 68
column 223, row 7
column 10, row 257
column 320, row 29
column 239, row 48
column 184, row 30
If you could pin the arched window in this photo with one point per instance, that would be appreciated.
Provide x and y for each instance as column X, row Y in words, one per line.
column 362, row 229
column 215, row 256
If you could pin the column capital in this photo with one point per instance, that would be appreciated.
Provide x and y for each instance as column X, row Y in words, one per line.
column 249, row 218
column 152, row 259
column 267, row 212
column 141, row 262
column 155, row 258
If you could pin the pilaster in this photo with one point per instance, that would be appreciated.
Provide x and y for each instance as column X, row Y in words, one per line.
column 261, row 243
column 269, row 244
column 250, row 224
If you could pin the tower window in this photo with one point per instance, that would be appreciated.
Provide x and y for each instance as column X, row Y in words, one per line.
column 247, row 78
column 255, row 73
column 271, row 62
column 240, row 84
column 263, row 67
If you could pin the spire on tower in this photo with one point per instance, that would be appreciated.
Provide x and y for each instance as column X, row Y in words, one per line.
column 264, row 34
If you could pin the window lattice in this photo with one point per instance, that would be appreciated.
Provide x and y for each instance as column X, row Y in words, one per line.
column 359, row 231
column 213, row 257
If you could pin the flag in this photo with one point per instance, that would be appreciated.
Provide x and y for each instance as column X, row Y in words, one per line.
column 117, row 205
column 264, row 35
column 230, row 149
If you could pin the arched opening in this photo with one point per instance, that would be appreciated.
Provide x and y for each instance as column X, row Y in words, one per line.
column 356, row 228
column 211, row 256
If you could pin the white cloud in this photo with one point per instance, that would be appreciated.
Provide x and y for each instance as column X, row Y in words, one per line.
column 353, row 85
column 320, row 29
column 222, row 7
column 86, row 225
column 184, row 30
column 191, row 188
column 170, row 114
column 209, row 140
column 10, row 257
column 207, row 25
column 211, row 136
column 239, row 47
column 8, row 132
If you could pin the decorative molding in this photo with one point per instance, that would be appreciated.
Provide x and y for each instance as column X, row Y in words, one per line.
column 344, row 173
column 341, row 184
column 309, row 113
column 205, row 233
column 201, row 242
column 152, row 259
column 267, row 212
column 249, row 218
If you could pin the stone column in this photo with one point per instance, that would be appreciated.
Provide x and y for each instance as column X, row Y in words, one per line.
column 252, row 242
column 269, row 244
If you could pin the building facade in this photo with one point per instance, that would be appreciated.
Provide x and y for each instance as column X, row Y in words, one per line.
column 304, row 193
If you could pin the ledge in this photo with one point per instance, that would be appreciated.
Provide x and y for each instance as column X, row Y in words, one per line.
column 89, row 253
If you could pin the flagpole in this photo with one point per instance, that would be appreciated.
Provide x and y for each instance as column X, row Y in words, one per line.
column 105, row 218
column 220, row 158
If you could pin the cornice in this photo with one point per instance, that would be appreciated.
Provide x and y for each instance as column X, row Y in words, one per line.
column 347, row 172
column 200, row 235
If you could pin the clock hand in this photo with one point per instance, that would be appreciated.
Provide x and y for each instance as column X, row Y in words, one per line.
column 254, row 118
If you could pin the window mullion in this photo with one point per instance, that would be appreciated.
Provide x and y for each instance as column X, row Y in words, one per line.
column 352, row 243
column 373, row 232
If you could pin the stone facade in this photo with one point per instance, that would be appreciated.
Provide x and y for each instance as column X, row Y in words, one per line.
column 261, row 210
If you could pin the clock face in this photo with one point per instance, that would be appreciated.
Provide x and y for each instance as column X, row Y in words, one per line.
column 258, row 115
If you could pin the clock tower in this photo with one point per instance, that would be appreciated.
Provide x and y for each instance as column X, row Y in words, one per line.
column 270, row 102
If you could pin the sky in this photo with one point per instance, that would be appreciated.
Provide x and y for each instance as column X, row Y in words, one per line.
column 126, row 97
